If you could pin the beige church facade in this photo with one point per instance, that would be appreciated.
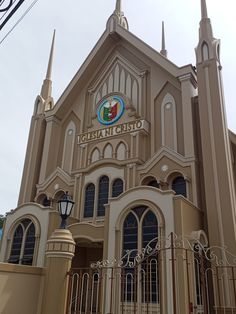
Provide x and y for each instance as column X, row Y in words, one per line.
column 142, row 147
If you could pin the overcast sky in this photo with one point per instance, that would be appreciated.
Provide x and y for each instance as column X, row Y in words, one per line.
column 79, row 24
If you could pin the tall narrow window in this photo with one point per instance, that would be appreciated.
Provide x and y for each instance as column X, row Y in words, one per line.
column 29, row 246
column 130, row 233
column 179, row 186
column 149, row 229
column 150, row 265
column 23, row 243
column 140, row 232
column 103, row 195
column 89, row 201
column 16, row 245
column 117, row 187
column 130, row 243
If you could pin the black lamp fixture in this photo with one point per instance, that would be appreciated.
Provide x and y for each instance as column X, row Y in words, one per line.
column 65, row 205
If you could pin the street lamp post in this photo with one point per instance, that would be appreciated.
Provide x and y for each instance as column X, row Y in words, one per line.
column 65, row 206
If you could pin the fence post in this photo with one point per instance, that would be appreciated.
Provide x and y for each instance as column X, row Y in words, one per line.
column 59, row 252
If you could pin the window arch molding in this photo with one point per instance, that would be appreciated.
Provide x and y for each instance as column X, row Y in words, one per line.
column 17, row 222
column 37, row 233
column 149, row 178
column 106, row 151
column 173, row 176
column 94, row 155
column 58, row 194
column 112, row 185
column 43, row 199
column 150, row 206
column 126, row 151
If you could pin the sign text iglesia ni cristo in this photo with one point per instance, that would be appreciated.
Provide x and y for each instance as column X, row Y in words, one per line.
column 110, row 131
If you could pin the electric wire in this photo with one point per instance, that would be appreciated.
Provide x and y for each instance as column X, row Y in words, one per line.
column 20, row 19
column 6, row 11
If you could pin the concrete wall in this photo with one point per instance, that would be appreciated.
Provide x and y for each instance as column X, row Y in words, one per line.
column 20, row 289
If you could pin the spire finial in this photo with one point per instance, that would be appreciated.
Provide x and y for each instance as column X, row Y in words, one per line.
column 118, row 6
column 163, row 43
column 118, row 17
column 204, row 9
column 49, row 69
column 47, row 83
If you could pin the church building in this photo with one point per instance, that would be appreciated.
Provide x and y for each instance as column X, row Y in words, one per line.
column 143, row 149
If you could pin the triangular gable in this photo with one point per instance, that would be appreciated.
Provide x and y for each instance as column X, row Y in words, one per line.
column 104, row 44
column 170, row 154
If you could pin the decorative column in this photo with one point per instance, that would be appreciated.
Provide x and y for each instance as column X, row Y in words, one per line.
column 59, row 252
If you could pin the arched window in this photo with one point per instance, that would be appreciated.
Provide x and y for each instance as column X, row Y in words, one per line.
column 149, row 229
column 16, row 245
column 179, row 186
column 151, row 181
column 46, row 202
column 140, row 232
column 130, row 233
column 29, row 245
column 103, row 194
column 117, row 187
column 43, row 200
column 89, row 200
column 23, row 243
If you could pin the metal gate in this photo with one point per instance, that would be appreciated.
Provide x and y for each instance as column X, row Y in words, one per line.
column 170, row 276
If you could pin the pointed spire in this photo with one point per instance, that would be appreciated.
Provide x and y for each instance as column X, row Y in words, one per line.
column 49, row 69
column 205, row 31
column 207, row 44
column 204, row 9
column 47, row 83
column 118, row 6
column 163, row 43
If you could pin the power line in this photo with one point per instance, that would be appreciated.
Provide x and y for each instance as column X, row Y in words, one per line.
column 20, row 19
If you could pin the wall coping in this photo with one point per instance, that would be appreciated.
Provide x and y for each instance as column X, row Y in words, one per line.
column 22, row 269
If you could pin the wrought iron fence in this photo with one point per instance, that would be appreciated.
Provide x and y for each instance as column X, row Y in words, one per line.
column 170, row 276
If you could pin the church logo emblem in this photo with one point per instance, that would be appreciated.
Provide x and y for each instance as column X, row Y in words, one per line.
column 110, row 110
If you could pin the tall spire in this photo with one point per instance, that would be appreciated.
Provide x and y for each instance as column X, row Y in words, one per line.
column 205, row 23
column 47, row 83
column 204, row 9
column 49, row 69
column 163, row 43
